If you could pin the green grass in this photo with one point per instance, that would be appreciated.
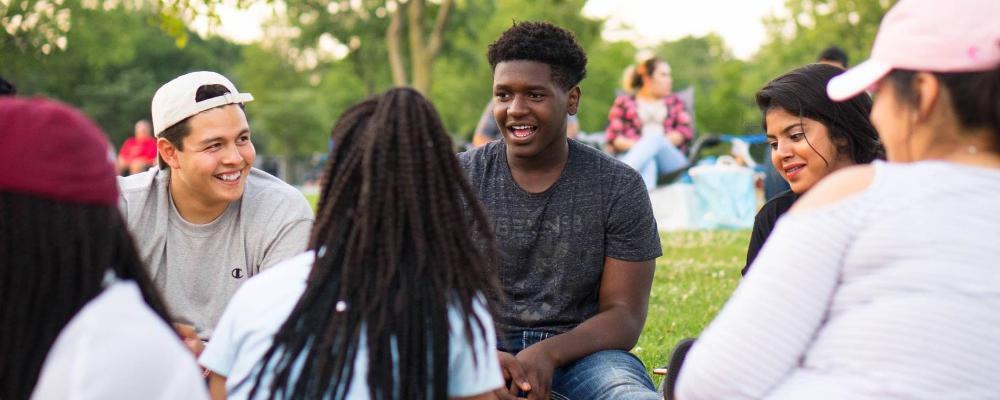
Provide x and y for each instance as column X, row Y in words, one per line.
column 694, row 277
column 312, row 199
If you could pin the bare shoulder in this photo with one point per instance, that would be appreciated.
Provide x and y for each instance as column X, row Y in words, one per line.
column 836, row 187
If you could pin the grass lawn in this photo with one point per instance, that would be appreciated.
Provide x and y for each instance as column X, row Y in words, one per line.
column 694, row 277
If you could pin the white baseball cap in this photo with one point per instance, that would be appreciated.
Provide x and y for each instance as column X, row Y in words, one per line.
column 175, row 100
column 927, row 35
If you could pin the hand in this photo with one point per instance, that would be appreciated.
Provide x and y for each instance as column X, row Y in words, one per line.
column 623, row 144
column 539, row 366
column 190, row 337
column 675, row 138
column 513, row 372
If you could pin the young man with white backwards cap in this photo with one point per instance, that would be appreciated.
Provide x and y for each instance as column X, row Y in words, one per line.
column 205, row 220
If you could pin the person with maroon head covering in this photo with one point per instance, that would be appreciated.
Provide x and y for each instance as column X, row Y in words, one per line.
column 80, row 317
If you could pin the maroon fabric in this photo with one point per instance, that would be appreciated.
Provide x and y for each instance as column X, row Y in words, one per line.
column 51, row 150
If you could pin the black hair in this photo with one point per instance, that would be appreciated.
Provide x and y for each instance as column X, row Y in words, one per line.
column 644, row 68
column 833, row 53
column 7, row 88
column 399, row 237
column 802, row 92
column 177, row 132
column 545, row 43
column 54, row 258
column 975, row 96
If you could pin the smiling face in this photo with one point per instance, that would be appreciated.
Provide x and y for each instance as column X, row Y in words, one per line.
column 214, row 165
column 530, row 108
column 801, row 149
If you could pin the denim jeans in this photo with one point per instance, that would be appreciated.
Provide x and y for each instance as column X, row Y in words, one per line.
column 774, row 184
column 606, row 374
column 653, row 155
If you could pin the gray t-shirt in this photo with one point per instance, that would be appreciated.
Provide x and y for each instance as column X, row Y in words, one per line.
column 552, row 245
column 197, row 268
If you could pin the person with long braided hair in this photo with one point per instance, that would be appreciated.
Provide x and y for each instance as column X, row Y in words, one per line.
column 389, row 302
column 80, row 319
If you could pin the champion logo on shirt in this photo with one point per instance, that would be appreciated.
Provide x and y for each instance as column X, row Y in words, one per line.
column 237, row 273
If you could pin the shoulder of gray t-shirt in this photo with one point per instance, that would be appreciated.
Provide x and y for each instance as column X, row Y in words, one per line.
column 610, row 182
column 269, row 206
column 483, row 160
column 264, row 193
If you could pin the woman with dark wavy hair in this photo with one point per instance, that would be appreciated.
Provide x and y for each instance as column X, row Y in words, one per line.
column 810, row 136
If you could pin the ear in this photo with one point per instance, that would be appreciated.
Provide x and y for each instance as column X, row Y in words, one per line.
column 927, row 89
column 168, row 152
column 573, row 100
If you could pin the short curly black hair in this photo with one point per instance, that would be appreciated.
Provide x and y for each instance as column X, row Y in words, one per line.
column 544, row 43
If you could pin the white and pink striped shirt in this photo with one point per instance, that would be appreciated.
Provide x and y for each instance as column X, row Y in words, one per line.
column 893, row 292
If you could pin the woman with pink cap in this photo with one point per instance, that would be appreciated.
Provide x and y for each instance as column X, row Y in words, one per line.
column 883, row 280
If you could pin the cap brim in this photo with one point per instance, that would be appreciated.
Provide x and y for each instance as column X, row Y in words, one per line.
column 856, row 80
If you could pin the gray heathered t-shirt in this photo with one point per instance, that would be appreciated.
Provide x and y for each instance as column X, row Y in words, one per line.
column 197, row 268
column 552, row 244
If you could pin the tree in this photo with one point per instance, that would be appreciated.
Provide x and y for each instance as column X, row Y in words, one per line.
column 408, row 36
column 112, row 68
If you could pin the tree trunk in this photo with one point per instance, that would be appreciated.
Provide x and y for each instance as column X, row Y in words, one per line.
column 392, row 41
column 419, row 60
column 424, row 49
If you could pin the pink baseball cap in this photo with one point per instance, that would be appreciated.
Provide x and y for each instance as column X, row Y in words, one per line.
column 927, row 35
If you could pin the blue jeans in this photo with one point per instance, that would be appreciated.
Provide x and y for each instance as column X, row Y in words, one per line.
column 653, row 155
column 606, row 374
column 774, row 184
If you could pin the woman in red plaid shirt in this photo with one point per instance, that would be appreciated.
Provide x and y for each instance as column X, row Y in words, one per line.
column 650, row 129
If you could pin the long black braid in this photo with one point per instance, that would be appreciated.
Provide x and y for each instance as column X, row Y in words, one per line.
column 400, row 237
column 53, row 259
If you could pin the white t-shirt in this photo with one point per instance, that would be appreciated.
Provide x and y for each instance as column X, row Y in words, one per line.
column 198, row 267
column 890, row 293
column 258, row 309
column 117, row 348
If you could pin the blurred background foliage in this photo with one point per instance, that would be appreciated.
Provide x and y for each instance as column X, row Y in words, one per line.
column 317, row 57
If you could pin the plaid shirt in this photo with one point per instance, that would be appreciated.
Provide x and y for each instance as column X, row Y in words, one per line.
column 623, row 120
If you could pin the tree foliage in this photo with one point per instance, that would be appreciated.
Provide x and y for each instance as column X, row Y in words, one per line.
column 112, row 64
column 108, row 57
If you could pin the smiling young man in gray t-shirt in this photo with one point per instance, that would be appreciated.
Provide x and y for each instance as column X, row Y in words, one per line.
column 574, row 231
column 205, row 220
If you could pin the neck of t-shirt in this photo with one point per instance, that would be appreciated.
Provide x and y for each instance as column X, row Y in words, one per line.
column 537, row 174
column 192, row 208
